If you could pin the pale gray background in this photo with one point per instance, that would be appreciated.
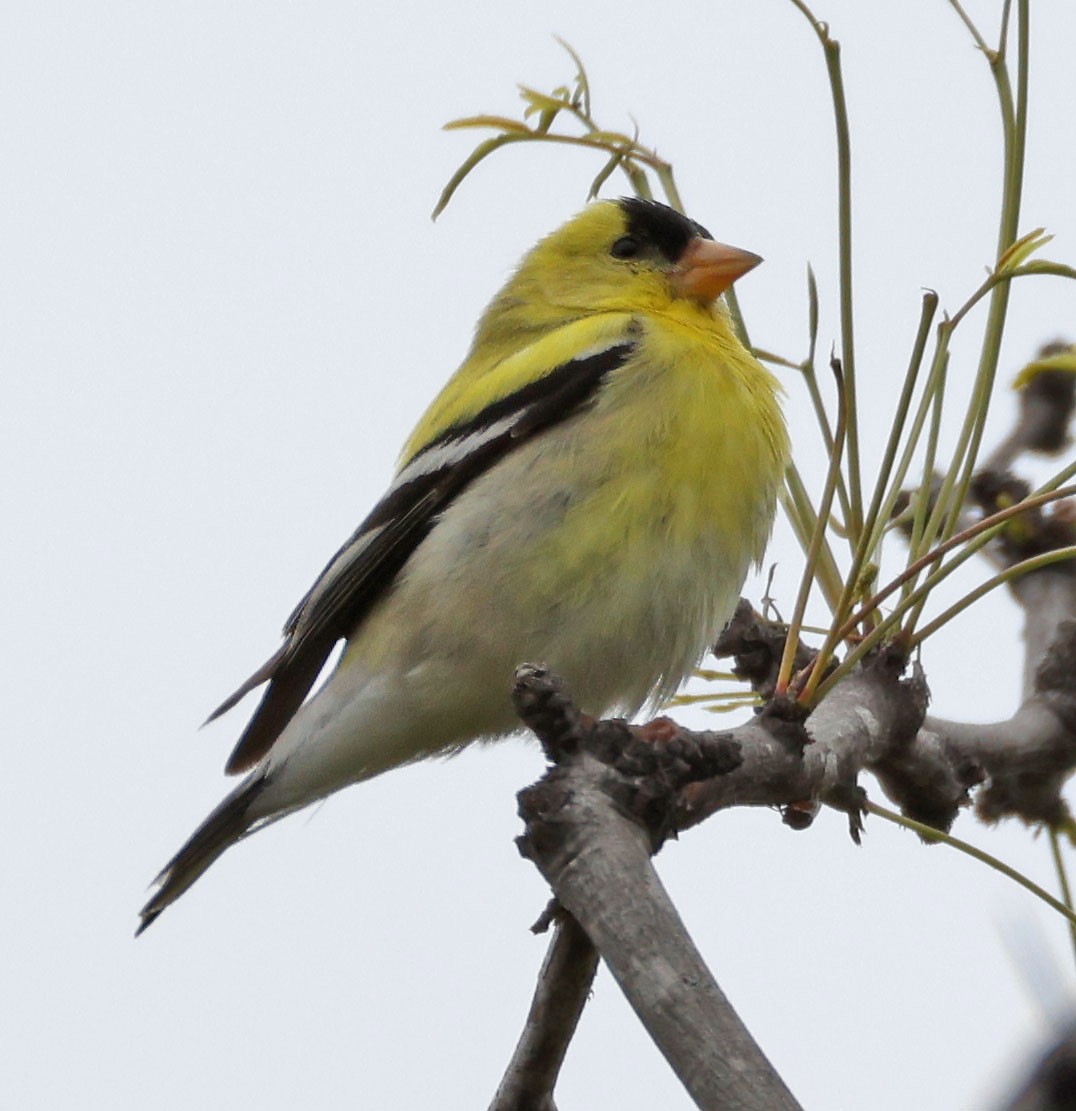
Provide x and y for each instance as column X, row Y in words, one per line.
column 224, row 306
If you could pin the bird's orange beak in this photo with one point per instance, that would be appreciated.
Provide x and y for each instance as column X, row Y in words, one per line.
column 706, row 269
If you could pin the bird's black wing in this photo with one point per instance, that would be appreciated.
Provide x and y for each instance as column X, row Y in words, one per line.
column 363, row 569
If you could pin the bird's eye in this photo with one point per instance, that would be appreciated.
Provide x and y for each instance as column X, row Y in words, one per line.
column 625, row 247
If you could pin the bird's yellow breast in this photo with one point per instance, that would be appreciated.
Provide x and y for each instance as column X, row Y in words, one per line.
column 634, row 520
column 687, row 445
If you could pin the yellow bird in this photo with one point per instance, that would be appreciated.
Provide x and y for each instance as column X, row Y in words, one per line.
column 588, row 491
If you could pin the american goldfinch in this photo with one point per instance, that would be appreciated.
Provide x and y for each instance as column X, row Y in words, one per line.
column 587, row 491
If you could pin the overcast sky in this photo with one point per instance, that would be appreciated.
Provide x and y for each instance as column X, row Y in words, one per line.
column 224, row 306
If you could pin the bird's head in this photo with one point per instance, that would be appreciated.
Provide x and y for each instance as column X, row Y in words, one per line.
column 627, row 255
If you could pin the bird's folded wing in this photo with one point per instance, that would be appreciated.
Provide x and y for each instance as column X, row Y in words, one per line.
column 361, row 571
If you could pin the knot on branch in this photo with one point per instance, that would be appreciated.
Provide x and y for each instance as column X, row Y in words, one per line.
column 909, row 694
column 542, row 701
column 1027, row 771
column 887, row 718
column 916, row 768
column 1055, row 677
column 1032, row 797
column 756, row 645
column 660, row 749
column 1047, row 399
column 930, row 780
column 902, row 515
column 783, row 719
column 1036, row 530
column 645, row 765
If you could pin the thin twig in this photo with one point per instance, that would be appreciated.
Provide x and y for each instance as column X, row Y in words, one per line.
column 1063, row 881
column 813, row 552
column 929, row 833
column 832, row 52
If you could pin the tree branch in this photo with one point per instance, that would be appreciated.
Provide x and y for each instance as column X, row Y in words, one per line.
column 592, row 824
column 1026, row 759
column 563, row 985
column 615, row 792
column 865, row 723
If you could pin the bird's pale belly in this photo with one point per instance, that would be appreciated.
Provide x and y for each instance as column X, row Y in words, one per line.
column 622, row 613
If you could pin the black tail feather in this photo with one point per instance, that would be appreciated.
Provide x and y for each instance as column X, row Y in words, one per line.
column 228, row 823
column 287, row 688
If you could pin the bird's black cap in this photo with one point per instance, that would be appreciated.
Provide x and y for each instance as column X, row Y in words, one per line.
column 668, row 230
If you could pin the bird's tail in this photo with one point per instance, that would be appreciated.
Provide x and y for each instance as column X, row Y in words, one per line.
column 229, row 822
